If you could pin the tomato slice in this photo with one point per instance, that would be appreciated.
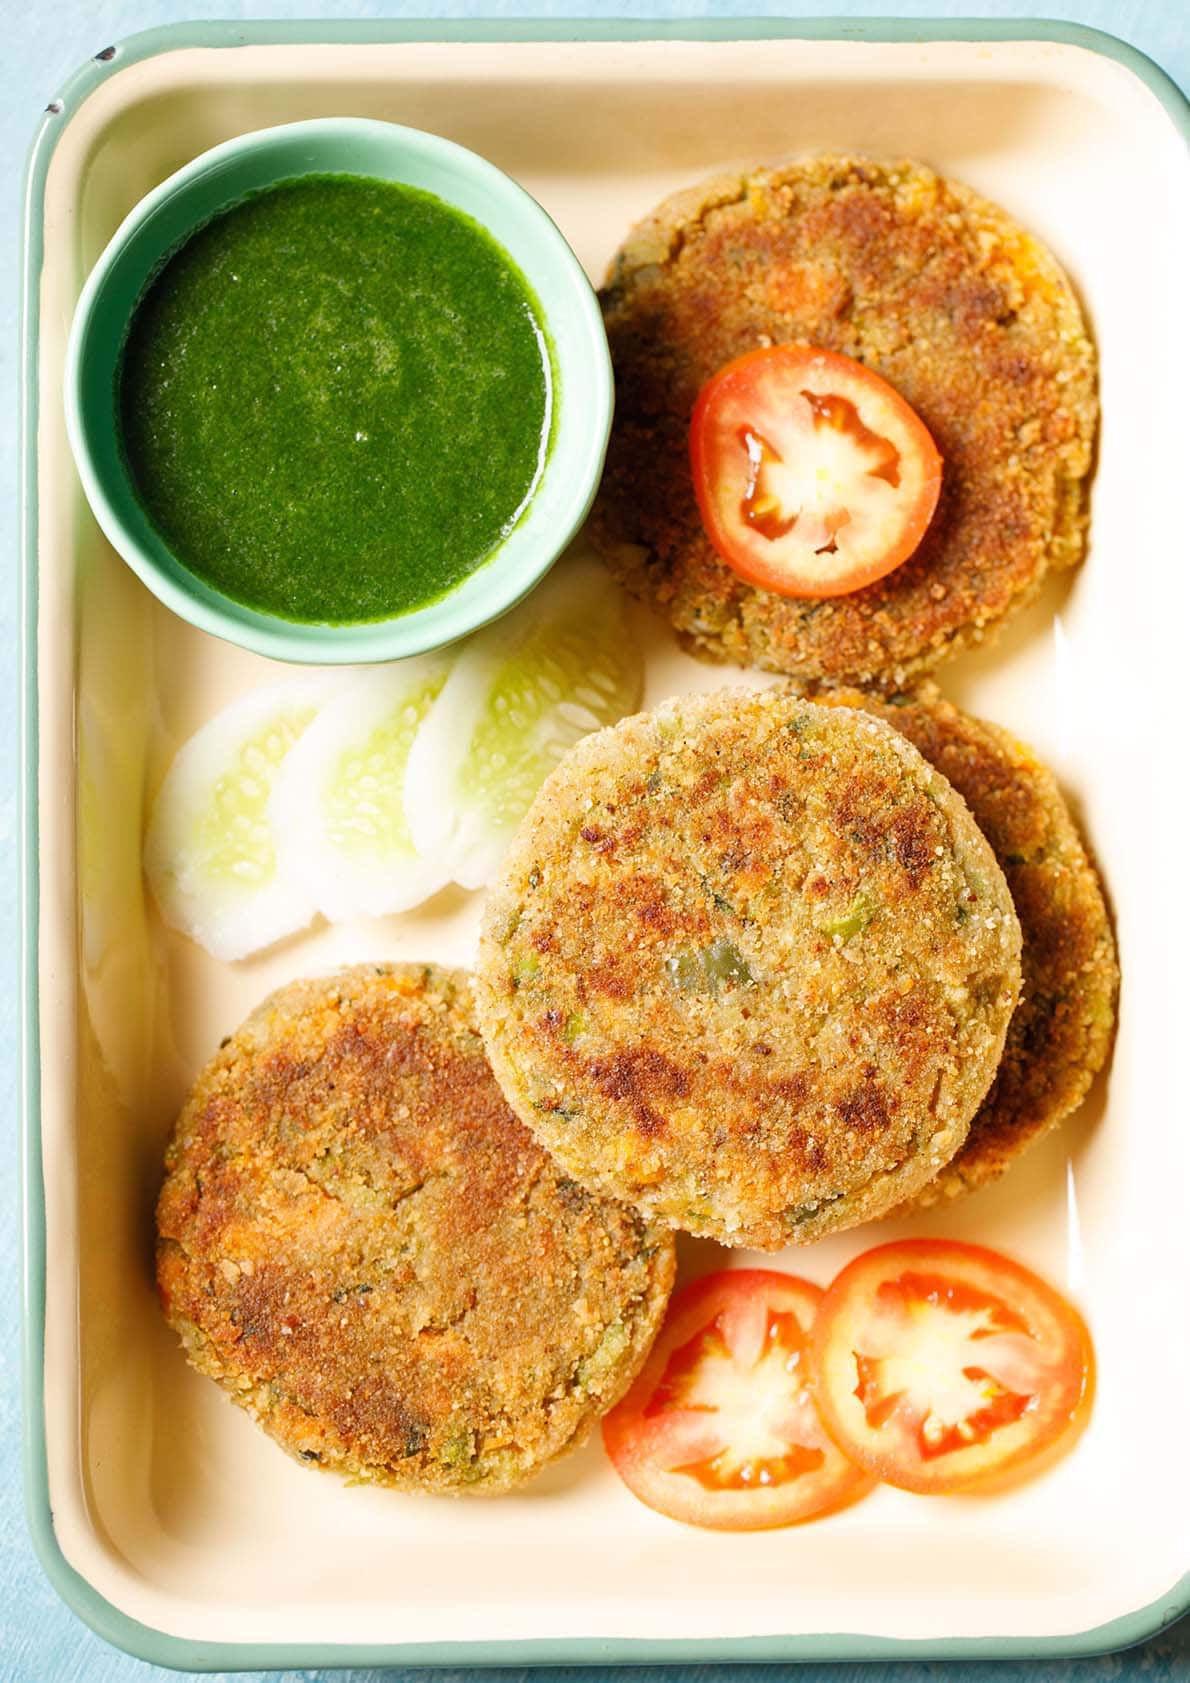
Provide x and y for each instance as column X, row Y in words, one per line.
column 719, row 1429
column 940, row 1366
column 813, row 476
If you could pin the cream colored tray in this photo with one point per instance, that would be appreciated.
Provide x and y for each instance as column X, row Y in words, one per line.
column 165, row 1517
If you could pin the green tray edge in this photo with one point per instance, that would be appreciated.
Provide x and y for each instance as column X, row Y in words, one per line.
column 180, row 1653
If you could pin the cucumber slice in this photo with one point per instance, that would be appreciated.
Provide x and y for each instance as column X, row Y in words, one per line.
column 522, row 692
column 210, row 851
column 339, row 804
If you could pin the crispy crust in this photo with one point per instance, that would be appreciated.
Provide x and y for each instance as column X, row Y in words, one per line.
column 1061, row 1030
column 358, row 1241
column 749, row 966
column 970, row 318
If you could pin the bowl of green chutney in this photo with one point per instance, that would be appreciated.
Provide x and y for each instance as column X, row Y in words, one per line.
column 338, row 391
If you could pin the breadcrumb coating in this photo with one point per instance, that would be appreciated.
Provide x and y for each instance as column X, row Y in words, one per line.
column 361, row 1244
column 969, row 318
column 749, row 967
column 1061, row 1030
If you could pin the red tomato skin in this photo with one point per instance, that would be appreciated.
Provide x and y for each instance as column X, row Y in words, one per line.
column 1077, row 1371
column 748, row 562
column 757, row 1510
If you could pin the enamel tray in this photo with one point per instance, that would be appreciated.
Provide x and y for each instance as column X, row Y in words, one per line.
column 164, row 1517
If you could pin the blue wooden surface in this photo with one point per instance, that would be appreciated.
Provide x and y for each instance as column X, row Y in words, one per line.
column 40, row 44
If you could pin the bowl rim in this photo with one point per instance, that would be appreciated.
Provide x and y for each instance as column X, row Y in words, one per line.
column 511, row 571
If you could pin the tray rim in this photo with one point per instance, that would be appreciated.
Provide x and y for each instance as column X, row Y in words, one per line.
column 143, row 1641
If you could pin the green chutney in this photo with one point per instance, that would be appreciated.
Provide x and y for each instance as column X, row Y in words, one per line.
column 335, row 399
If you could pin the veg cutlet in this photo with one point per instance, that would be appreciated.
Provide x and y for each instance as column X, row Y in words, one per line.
column 938, row 291
column 749, row 967
column 1061, row 1030
column 364, row 1247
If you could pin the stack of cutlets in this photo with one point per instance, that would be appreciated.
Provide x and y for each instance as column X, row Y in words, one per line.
column 767, row 967
column 759, row 965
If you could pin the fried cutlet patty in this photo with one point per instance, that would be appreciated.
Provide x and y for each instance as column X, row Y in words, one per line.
column 1061, row 1030
column 361, row 1243
column 932, row 287
column 749, row 967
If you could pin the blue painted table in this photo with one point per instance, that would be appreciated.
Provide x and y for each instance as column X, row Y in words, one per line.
column 40, row 1641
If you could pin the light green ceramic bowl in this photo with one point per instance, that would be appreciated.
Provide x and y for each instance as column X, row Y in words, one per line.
column 166, row 217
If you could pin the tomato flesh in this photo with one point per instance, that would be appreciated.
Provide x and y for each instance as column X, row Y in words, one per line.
column 720, row 1429
column 813, row 475
column 939, row 1366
